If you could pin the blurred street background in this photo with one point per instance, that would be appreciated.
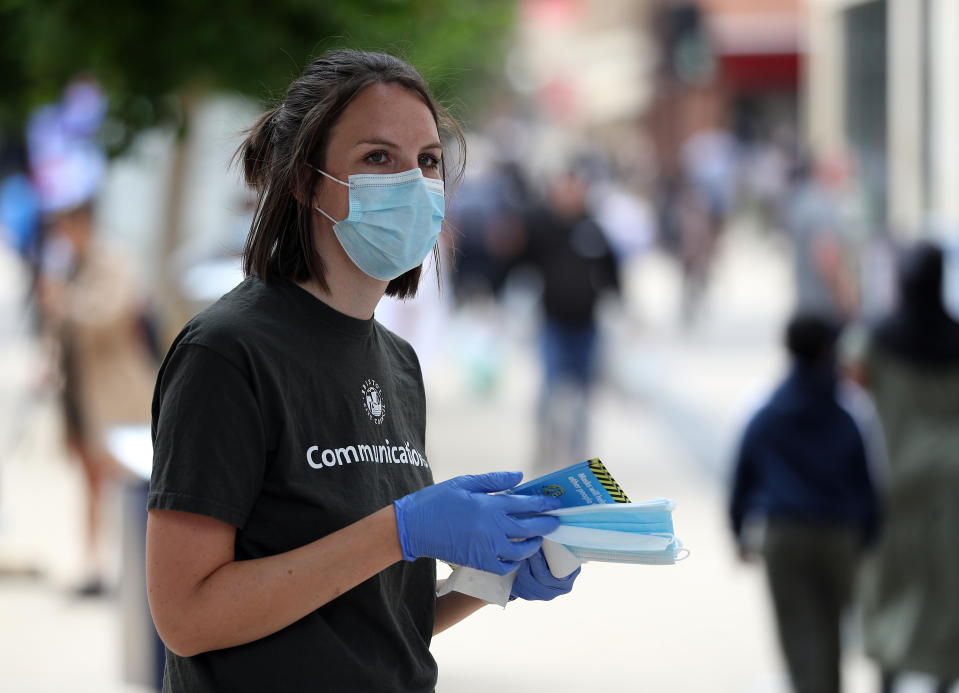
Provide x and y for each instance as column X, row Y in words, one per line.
column 737, row 159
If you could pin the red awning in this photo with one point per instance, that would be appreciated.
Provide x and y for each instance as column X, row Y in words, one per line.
column 760, row 72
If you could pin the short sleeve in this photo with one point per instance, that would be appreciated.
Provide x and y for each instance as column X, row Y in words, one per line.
column 209, row 453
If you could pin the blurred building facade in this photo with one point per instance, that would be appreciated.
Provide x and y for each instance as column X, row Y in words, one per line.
column 724, row 64
column 583, row 60
column 881, row 85
column 868, row 79
column 621, row 71
column 579, row 76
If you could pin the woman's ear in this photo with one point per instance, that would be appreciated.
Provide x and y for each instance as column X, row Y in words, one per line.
column 303, row 182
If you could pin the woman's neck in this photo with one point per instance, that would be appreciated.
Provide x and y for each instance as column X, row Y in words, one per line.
column 353, row 296
column 351, row 291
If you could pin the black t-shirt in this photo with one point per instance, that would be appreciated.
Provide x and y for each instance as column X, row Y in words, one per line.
column 289, row 420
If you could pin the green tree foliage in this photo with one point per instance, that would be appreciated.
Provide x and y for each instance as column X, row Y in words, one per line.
column 148, row 54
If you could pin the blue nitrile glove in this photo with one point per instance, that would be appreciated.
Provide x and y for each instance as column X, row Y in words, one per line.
column 459, row 522
column 535, row 582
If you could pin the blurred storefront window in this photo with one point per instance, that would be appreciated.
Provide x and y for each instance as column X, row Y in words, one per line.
column 881, row 83
column 865, row 96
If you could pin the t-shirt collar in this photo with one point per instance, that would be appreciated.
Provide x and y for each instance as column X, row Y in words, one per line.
column 329, row 316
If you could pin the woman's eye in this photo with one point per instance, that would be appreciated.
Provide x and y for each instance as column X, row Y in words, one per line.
column 429, row 161
column 376, row 157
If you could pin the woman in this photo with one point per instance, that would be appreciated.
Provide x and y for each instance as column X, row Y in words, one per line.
column 291, row 505
column 911, row 367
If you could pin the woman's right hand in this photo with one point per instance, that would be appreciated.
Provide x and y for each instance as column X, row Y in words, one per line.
column 460, row 522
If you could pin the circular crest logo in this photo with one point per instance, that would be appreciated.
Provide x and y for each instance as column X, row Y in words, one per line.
column 373, row 401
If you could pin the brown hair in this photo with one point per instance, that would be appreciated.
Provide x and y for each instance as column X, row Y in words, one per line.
column 284, row 140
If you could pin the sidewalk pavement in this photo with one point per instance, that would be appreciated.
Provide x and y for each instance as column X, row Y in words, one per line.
column 663, row 422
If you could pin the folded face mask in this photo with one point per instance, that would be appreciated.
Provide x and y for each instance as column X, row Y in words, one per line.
column 609, row 541
column 613, row 533
column 649, row 517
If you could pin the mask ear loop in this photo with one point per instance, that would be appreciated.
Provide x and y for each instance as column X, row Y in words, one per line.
column 331, row 178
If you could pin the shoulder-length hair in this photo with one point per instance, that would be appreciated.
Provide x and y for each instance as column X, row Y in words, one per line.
column 295, row 133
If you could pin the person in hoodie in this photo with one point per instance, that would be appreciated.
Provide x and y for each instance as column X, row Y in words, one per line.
column 804, row 467
column 910, row 366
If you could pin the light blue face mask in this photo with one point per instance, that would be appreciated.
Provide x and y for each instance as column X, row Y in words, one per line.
column 618, row 533
column 647, row 517
column 393, row 223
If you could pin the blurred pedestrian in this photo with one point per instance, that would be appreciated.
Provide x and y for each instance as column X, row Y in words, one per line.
column 765, row 174
column 93, row 309
column 576, row 265
column 485, row 218
column 910, row 365
column 19, row 216
column 803, row 466
column 697, row 247
column 818, row 228
column 711, row 164
column 293, row 521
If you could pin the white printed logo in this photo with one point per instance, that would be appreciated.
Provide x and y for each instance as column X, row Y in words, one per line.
column 373, row 401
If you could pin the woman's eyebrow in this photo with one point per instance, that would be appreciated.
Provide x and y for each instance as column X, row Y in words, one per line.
column 387, row 143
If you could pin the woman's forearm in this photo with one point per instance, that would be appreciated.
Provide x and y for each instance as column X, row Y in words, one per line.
column 242, row 601
column 452, row 608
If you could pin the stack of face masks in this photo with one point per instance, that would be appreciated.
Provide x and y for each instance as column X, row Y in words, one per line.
column 613, row 533
column 597, row 523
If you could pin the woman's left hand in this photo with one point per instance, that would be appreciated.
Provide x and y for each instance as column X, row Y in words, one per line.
column 535, row 582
